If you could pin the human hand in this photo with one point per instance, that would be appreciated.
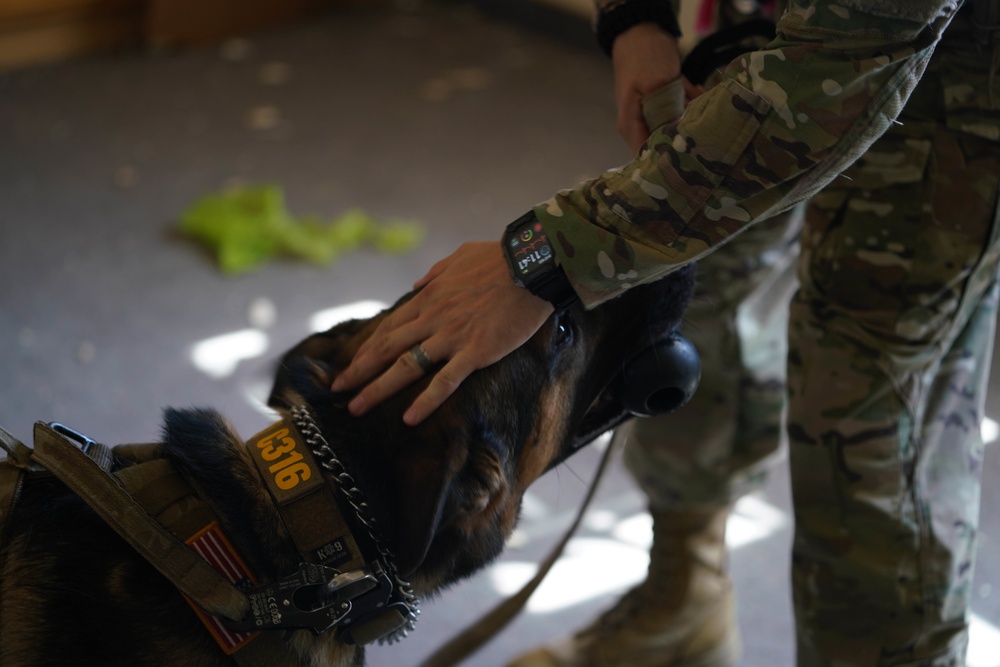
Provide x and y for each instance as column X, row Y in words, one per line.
column 645, row 57
column 467, row 315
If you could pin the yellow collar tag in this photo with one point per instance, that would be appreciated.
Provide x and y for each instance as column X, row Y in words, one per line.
column 285, row 462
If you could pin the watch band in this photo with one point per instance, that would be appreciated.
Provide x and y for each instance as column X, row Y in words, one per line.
column 623, row 15
column 554, row 288
column 551, row 284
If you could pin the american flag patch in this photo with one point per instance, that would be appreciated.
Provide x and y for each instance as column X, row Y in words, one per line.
column 211, row 544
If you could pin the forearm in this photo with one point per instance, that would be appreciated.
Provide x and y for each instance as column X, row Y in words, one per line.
column 784, row 122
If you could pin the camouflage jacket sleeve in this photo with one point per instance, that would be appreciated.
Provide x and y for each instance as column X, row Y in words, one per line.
column 783, row 122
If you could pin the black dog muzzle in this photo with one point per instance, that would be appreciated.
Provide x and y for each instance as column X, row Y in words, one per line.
column 660, row 378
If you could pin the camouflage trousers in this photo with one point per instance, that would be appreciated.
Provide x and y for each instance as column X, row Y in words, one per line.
column 889, row 338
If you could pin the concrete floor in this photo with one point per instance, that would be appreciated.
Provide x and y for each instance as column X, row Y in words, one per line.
column 442, row 115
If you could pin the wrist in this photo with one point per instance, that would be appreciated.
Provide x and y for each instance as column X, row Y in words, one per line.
column 648, row 50
column 646, row 37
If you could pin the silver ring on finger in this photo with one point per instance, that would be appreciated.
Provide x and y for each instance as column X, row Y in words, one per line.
column 419, row 355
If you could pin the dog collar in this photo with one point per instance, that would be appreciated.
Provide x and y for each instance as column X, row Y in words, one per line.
column 340, row 583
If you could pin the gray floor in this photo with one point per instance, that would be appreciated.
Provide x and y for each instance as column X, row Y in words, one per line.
column 446, row 116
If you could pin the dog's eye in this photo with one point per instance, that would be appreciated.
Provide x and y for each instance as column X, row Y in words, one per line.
column 563, row 335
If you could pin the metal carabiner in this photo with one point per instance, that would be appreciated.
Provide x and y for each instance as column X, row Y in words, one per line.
column 313, row 597
column 83, row 441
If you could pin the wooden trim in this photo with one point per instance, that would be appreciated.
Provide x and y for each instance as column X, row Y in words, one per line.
column 18, row 10
column 55, row 35
column 184, row 22
column 36, row 31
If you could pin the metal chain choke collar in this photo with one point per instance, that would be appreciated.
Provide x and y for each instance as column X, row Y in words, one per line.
column 348, row 488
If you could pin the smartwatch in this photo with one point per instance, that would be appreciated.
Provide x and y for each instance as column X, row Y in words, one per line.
column 532, row 262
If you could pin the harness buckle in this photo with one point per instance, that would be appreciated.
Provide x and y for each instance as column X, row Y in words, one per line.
column 315, row 597
column 80, row 439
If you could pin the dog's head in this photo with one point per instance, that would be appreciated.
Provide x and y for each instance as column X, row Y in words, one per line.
column 447, row 492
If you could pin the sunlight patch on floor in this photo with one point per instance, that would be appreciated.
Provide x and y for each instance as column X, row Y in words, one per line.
column 219, row 356
column 751, row 520
column 581, row 574
column 990, row 430
column 984, row 644
column 578, row 576
column 359, row 310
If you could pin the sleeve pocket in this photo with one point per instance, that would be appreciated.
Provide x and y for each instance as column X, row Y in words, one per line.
column 663, row 105
column 686, row 163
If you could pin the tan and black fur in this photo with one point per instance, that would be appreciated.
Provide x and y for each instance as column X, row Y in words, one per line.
column 446, row 493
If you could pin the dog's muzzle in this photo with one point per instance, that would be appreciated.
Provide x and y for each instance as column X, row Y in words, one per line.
column 660, row 378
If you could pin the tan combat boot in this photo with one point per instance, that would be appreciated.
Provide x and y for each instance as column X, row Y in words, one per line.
column 682, row 615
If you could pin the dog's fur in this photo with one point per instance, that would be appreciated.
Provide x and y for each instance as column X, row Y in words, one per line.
column 446, row 493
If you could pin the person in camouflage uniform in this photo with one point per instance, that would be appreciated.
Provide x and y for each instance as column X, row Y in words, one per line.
column 889, row 336
column 896, row 310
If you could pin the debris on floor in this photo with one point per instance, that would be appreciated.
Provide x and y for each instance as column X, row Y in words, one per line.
column 245, row 226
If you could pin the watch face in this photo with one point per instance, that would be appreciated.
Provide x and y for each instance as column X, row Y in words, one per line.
column 529, row 249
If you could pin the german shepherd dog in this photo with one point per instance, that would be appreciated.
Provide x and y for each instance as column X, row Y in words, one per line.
column 437, row 501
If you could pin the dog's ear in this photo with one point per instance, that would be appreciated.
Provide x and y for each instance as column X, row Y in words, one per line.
column 444, row 491
column 422, row 485
column 326, row 353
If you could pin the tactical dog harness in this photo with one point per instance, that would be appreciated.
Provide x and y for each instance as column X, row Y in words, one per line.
column 346, row 580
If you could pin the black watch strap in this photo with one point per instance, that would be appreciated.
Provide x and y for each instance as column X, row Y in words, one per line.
column 555, row 288
column 621, row 16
